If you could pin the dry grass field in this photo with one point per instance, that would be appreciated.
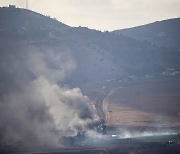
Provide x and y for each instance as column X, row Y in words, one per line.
column 145, row 104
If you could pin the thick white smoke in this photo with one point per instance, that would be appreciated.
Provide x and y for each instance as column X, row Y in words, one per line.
column 40, row 111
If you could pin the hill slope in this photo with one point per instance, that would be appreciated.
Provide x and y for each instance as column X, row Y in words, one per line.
column 162, row 33
column 96, row 55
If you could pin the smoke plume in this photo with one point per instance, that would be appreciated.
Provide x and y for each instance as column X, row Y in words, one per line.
column 35, row 107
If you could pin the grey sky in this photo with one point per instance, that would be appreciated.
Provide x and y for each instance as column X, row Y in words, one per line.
column 104, row 14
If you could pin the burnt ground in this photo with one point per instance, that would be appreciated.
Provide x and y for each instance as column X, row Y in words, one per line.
column 169, row 144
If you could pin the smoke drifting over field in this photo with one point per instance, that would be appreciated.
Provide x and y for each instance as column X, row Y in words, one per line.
column 34, row 108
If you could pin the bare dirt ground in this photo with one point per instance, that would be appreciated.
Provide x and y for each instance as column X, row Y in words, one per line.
column 138, row 104
column 145, row 104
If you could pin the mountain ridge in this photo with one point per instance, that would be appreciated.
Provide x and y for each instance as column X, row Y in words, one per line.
column 98, row 55
column 163, row 33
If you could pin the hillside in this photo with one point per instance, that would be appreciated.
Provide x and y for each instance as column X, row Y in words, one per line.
column 97, row 55
column 164, row 33
column 24, row 24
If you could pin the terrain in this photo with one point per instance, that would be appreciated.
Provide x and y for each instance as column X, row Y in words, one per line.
column 152, row 104
column 146, row 104
column 98, row 55
column 130, row 77
column 161, row 33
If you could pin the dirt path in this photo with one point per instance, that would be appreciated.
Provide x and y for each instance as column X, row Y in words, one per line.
column 100, row 104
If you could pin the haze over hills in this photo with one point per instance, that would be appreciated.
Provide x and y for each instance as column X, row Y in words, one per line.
column 98, row 55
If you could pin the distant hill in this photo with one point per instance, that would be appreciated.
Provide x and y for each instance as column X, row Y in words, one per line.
column 16, row 18
column 164, row 33
column 16, row 22
column 98, row 55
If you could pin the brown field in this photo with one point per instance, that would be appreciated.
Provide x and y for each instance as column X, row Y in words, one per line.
column 145, row 104
column 137, row 104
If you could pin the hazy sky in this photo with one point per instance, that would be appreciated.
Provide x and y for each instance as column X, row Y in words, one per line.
column 104, row 14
